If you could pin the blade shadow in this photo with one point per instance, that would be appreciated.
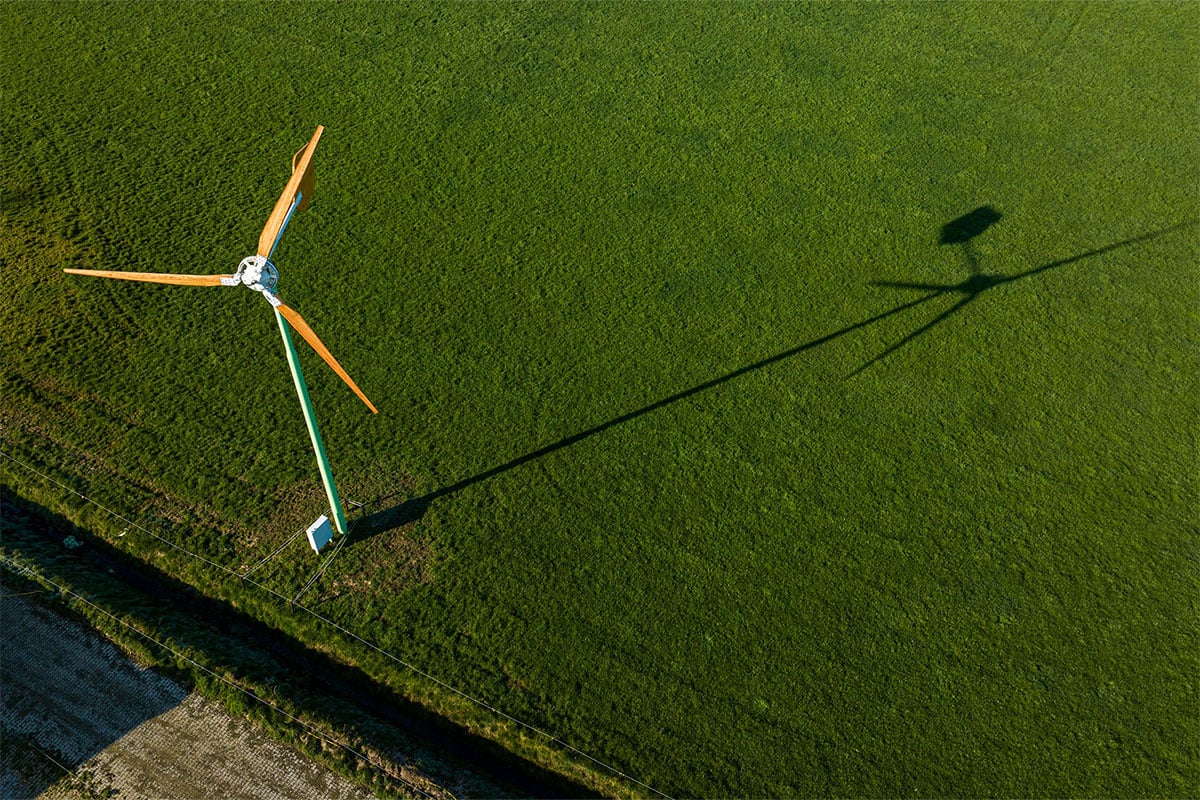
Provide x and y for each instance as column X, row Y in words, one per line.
column 390, row 515
column 978, row 283
column 954, row 309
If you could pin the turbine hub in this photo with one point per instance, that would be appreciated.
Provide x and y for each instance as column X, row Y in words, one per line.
column 257, row 273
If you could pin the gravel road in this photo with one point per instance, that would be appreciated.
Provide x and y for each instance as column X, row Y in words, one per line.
column 70, row 700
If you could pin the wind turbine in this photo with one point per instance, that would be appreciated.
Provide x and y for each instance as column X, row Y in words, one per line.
column 257, row 273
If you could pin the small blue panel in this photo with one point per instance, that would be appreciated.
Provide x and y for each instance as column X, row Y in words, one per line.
column 319, row 533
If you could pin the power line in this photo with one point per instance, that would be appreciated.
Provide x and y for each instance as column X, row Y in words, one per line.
column 70, row 773
column 347, row 632
column 64, row 591
column 76, row 777
column 272, row 554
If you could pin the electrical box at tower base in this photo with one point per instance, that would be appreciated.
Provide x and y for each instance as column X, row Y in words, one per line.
column 319, row 533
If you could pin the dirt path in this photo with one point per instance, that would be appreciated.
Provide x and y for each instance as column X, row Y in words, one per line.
column 69, row 700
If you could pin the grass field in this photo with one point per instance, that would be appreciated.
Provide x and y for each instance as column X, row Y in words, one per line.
column 651, row 472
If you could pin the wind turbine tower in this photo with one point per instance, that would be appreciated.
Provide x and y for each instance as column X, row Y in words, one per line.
column 259, row 274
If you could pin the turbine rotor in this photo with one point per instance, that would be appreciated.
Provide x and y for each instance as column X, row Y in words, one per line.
column 255, row 272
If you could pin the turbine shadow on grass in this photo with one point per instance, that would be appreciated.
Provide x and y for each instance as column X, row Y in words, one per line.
column 959, row 231
column 978, row 282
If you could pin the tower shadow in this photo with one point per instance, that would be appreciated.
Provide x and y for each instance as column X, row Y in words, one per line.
column 392, row 511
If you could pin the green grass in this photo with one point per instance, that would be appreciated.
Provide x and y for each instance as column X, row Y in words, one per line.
column 588, row 260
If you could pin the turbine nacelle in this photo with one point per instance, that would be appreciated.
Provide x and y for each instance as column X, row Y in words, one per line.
column 255, row 272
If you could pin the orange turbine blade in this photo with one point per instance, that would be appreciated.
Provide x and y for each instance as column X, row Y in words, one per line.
column 152, row 277
column 302, row 328
column 301, row 165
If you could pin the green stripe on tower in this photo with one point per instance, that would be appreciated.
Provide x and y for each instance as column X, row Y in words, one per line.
column 335, row 503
